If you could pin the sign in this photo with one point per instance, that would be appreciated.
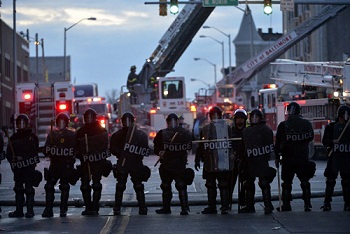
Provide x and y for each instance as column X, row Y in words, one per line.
column 287, row 5
column 214, row 3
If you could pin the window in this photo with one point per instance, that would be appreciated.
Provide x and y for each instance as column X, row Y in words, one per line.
column 172, row 89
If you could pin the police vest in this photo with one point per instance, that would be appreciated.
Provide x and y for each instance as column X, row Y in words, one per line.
column 25, row 163
column 97, row 156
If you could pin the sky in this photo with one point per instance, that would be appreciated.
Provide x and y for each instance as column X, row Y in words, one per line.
column 126, row 33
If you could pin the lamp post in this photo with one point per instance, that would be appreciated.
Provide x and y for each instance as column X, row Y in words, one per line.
column 223, row 50
column 229, row 44
column 194, row 79
column 65, row 42
column 214, row 65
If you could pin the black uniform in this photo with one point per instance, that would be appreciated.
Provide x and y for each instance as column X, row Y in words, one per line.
column 60, row 146
column 258, row 141
column 217, row 157
column 133, row 79
column 23, row 161
column 175, row 142
column 130, row 145
column 292, row 142
column 92, row 150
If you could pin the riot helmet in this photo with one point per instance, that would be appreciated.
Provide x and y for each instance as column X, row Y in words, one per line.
column 343, row 112
column 90, row 116
column 127, row 119
column 172, row 120
column 255, row 116
column 22, row 121
column 293, row 109
column 62, row 120
column 215, row 113
column 240, row 113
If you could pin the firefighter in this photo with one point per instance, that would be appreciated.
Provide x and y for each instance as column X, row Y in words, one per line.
column 171, row 145
column 133, row 79
column 22, row 154
column 339, row 160
column 153, row 84
column 60, row 146
column 258, row 142
column 92, row 150
column 292, row 145
column 130, row 145
column 217, row 156
column 239, row 123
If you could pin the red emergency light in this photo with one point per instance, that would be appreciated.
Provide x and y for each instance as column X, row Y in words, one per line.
column 27, row 96
column 62, row 106
column 270, row 86
column 153, row 111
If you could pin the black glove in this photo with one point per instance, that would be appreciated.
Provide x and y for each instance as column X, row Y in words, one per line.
column 278, row 160
column 197, row 166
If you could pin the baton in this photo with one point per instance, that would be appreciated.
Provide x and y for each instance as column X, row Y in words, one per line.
column 279, row 188
column 226, row 139
column 14, row 158
column 341, row 135
column 87, row 151
column 130, row 138
column 171, row 141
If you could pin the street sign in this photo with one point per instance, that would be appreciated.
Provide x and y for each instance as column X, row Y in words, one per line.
column 214, row 3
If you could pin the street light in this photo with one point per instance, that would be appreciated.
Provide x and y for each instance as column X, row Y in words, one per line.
column 223, row 51
column 65, row 42
column 214, row 65
column 194, row 79
column 229, row 44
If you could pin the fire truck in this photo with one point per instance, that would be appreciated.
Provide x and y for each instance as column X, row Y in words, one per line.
column 318, row 87
column 42, row 102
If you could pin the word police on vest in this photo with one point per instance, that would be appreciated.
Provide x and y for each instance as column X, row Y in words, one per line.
column 135, row 149
column 261, row 150
column 59, row 151
column 218, row 145
column 299, row 137
column 341, row 148
column 178, row 147
column 97, row 157
column 25, row 163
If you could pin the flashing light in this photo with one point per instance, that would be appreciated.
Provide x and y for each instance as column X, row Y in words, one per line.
column 267, row 7
column 270, row 86
column 62, row 106
column 174, row 7
column 336, row 94
column 27, row 96
column 163, row 11
column 152, row 111
column 193, row 108
column 152, row 134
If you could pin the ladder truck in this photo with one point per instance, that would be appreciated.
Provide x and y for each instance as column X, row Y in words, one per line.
column 318, row 87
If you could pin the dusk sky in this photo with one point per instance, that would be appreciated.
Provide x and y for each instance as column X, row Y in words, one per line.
column 126, row 33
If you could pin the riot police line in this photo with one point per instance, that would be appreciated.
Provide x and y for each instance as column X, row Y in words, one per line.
column 217, row 168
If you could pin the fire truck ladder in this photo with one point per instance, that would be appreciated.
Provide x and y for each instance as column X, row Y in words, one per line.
column 247, row 70
column 45, row 111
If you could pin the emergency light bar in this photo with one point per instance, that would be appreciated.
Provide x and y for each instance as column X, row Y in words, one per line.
column 62, row 106
column 27, row 96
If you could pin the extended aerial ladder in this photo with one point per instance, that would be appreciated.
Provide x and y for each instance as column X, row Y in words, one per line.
column 248, row 69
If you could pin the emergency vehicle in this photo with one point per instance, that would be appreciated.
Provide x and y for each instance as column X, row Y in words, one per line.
column 42, row 102
column 318, row 87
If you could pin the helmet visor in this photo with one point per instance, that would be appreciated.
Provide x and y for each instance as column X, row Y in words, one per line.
column 291, row 110
column 254, row 119
column 126, row 122
column 215, row 116
column 172, row 123
column 89, row 118
column 21, row 124
column 61, row 124
column 346, row 115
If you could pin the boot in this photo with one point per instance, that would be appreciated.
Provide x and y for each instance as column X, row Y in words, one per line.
column 305, row 186
column 117, row 202
column 224, row 196
column 249, row 199
column 166, row 197
column 140, row 196
column 64, row 200
column 96, row 201
column 50, row 197
column 30, row 206
column 183, row 196
column 286, row 197
column 88, row 204
column 330, row 183
column 267, row 200
column 211, row 209
column 18, row 213
column 346, row 194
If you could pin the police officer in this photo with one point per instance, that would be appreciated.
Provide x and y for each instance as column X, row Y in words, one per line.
column 22, row 154
column 92, row 150
column 171, row 145
column 60, row 146
column 239, row 123
column 130, row 145
column 292, row 143
column 216, row 153
column 340, row 157
column 258, row 141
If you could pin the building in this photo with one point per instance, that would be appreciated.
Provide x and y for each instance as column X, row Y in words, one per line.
column 7, row 76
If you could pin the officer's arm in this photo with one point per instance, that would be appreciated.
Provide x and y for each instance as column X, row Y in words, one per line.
column 115, row 144
column 279, row 138
column 158, row 146
column 327, row 139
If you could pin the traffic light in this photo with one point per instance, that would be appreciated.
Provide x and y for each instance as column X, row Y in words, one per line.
column 163, row 8
column 174, row 6
column 267, row 7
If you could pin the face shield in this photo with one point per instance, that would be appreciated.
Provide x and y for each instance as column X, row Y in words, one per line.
column 291, row 110
column 61, row 124
column 89, row 118
column 126, row 122
column 21, row 124
column 172, row 123
column 346, row 116
column 254, row 119
column 215, row 116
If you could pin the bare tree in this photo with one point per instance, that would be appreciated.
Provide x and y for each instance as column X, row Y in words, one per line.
column 112, row 96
